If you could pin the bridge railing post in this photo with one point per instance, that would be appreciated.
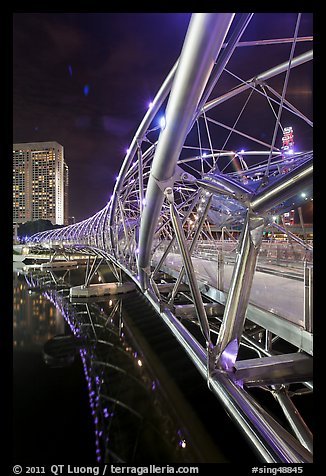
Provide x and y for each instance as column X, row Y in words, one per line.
column 308, row 297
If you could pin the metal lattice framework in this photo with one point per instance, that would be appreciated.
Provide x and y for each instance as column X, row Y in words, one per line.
column 184, row 178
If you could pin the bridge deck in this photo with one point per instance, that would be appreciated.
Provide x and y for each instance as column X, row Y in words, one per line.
column 276, row 302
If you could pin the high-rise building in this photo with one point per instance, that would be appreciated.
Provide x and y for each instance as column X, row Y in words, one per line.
column 40, row 182
column 65, row 194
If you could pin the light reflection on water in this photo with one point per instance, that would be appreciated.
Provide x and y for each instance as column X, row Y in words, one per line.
column 133, row 421
column 35, row 319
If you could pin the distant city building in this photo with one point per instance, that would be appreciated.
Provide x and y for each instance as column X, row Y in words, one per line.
column 288, row 139
column 40, row 182
column 65, row 194
column 289, row 218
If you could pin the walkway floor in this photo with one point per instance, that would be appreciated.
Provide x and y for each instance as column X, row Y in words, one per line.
column 283, row 296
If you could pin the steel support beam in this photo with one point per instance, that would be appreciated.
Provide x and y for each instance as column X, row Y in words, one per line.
column 199, row 306
column 149, row 116
column 283, row 188
column 189, row 310
column 228, row 342
column 172, row 241
column 292, row 236
column 294, row 418
column 192, row 247
column 268, row 438
column 223, row 59
column 203, row 42
column 220, row 184
column 274, row 370
column 301, row 59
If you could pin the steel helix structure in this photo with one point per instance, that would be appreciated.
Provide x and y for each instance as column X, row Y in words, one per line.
column 184, row 181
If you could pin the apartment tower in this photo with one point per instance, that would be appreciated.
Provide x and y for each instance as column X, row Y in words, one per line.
column 40, row 182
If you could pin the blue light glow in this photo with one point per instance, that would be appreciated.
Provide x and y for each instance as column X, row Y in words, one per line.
column 162, row 122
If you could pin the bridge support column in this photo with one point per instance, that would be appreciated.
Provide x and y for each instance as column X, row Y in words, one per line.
column 90, row 272
column 229, row 337
column 199, row 306
column 192, row 247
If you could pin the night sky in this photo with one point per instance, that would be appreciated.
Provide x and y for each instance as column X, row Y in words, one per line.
column 85, row 81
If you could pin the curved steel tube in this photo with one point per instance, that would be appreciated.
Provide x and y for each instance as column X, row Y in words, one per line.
column 149, row 116
column 281, row 68
column 203, row 42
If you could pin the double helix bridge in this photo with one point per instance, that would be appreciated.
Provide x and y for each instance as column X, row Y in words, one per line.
column 201, row 196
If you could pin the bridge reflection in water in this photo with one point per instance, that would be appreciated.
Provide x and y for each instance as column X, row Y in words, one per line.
column 147, row 404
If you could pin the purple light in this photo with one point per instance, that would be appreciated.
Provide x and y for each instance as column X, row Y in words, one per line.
column 150, row 104
column 229, row 355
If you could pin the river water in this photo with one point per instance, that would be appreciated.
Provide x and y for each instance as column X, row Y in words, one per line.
column 105, row 381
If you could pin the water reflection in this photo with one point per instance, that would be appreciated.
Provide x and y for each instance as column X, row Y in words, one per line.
column 133, row 420
column 35, row 320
